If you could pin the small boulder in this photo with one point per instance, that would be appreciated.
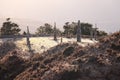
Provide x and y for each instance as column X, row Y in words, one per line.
column 68, row 51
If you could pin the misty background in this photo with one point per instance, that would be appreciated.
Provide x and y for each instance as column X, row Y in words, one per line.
column 33, row 13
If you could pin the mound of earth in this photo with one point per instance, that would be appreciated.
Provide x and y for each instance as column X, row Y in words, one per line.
column 11, row 65
column 98, row 62
column 5, row 47
column 73, row 62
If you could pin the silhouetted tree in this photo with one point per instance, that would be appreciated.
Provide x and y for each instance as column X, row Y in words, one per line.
column 66, row 29
column 10, row 28
column 101, row 33
column 71, row 29
column 24, row 33
column 40, row 30
column 47, row 29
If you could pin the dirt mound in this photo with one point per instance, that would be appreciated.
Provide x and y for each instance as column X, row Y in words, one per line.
column 99, row 62
column 11, row 65
column 72, row 62
column 5, row 47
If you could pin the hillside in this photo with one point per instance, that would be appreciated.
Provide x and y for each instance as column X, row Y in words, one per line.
column 67, row 62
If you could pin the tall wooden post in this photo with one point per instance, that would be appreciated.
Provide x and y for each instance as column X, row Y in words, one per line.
column 95, row 33
column 55, row 33
column 79, row 32
column 61, row 38
column 28, row 40
column 91, row 33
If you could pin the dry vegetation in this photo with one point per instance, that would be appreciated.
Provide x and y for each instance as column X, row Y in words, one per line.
column 66, row 62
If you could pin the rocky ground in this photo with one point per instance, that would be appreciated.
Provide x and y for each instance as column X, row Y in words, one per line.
column 65, row 62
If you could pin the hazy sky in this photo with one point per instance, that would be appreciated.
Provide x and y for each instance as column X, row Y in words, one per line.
column 104, row 13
